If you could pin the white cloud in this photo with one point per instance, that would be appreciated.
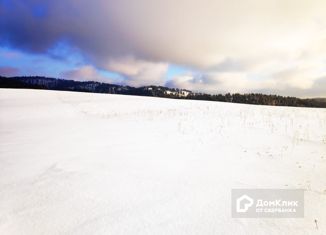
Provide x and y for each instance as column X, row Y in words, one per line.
column 279, row 43
column 9, row 71
column 221, row 82
column 139, row 72
column 298, row 81
column 86, row 73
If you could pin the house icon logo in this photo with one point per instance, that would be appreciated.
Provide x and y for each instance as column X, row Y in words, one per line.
column 244, row 203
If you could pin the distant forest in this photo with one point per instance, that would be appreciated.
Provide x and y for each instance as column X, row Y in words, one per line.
column 155, row 91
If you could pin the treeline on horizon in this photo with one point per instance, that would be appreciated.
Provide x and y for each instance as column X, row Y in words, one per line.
column 37, row 82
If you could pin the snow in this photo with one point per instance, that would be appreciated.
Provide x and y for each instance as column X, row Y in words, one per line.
column 81, row 163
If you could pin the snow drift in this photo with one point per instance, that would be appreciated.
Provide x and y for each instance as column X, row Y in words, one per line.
column 80, row 163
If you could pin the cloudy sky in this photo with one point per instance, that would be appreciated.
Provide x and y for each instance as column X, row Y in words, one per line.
column 215, row 46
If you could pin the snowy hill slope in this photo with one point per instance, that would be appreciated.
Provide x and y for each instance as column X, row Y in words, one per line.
column 79, row 163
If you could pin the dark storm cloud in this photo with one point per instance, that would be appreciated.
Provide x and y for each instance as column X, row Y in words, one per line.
column 36, row 26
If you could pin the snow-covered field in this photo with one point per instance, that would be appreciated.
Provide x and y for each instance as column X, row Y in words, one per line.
column 79, row 163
